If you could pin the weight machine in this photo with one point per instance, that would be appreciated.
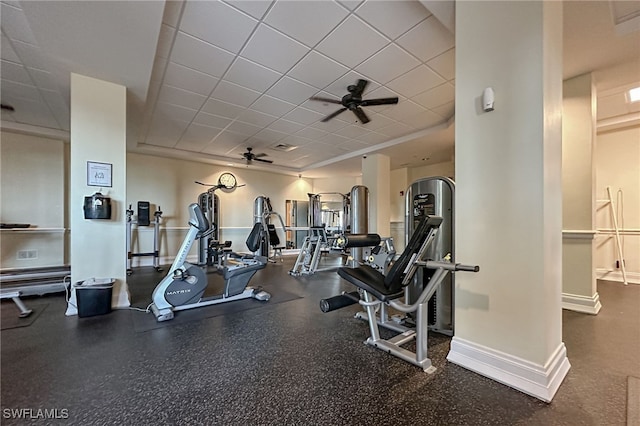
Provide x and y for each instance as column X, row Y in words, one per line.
column 263, row 214
column 143, row 219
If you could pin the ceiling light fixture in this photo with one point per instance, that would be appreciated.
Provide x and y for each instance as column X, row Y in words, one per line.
column 634, row 94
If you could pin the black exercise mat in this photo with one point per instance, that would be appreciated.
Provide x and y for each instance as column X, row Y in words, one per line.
column 9, row 315
column 147, row 321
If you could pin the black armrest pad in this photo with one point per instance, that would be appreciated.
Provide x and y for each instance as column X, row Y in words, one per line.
column 368, row 279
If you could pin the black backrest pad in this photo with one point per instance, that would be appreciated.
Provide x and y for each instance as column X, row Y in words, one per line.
column 393, row 280
column 197, row 217
column 273, row 235
column 255, row 237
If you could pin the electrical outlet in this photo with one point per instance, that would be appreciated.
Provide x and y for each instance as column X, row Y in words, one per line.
column 27, row 254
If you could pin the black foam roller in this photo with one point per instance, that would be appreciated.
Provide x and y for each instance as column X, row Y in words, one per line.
column 337, row 302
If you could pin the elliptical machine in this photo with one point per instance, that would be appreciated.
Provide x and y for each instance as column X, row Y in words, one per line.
column 185, row 284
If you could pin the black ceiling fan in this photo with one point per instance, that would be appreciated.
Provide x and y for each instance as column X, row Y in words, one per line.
column 249, row 156
column 353, row 101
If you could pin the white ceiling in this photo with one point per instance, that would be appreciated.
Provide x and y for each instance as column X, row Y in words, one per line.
column 207, row 79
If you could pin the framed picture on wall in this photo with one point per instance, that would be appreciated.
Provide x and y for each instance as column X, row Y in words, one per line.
column 99, row 174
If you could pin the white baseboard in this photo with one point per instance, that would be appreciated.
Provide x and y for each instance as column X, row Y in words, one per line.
column 540, row 381
column 583, row 304
column 616, row 275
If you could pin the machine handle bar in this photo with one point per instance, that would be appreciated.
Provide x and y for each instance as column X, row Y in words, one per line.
column 432, row 264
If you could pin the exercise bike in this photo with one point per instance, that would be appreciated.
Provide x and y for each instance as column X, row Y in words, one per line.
column 185, row 284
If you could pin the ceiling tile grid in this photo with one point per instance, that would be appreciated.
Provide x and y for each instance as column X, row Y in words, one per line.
column 26, row 84
column 274, row 56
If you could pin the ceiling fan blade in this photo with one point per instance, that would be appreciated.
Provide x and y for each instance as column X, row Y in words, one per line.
column 330, row 116
column 381, row 101
column 361, row 115
column 321, row 99
column 262, row 154
column 263, row 161
column 360, row 88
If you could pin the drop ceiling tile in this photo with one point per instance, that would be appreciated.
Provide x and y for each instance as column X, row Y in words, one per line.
column 377, row 120
column 416, row 81
column 379, row 68
column 353, row 145
column 437, row 96
column 224, row 109
column 43, row 79
column 256, row 118
column 174, row 112
column 317, row 70
column 217, row 23
column 423, row 119
column 352, row 131
column 332, row 125
column 352, row 42
column 303, row 116
column 439, row 39
column 184, row 98
column 445, row 64
column 201, row 56
column 297, row 141
column 285, row 126
column 403, row 110
column 30, row 55
column 165, row 41
column 34, row 112
column 350, row 4
column 373, row 138
column 405, row 15
column 15, row 25
column 185, row 78
column 306, row 21
column 251, row 75
column 196, row 137
column 270, row 136
column 312, row 133
column 167, row 127
column 18, row 90
column 245, row 129
column 7, row 53
column 57, row 105
column 255, row 8
column 447, row 110
column 224, row 142
column 339, row 87
column 320, row 107
column 273, row 49
column 211, row 120
column 396, row 130
column 232, row 93
column 291, row 90
column 272, row 106
column 15, row 72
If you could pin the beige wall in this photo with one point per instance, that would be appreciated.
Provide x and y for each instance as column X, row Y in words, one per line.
column 170, row 183
column 618, row 166
column 446, row 169
column 32, row 191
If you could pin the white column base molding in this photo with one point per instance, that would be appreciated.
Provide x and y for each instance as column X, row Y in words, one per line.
column 616, row 275
column 540, row 381
column 584, row 304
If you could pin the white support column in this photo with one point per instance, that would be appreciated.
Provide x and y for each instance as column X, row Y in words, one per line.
column 509, row 194
column 376, row 175
column 98, row 134
column 579, row 284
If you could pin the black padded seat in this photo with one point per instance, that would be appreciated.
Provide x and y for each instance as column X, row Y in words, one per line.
column 368, row 279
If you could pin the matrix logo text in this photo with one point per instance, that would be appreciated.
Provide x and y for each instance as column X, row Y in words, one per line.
column 33, row 413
